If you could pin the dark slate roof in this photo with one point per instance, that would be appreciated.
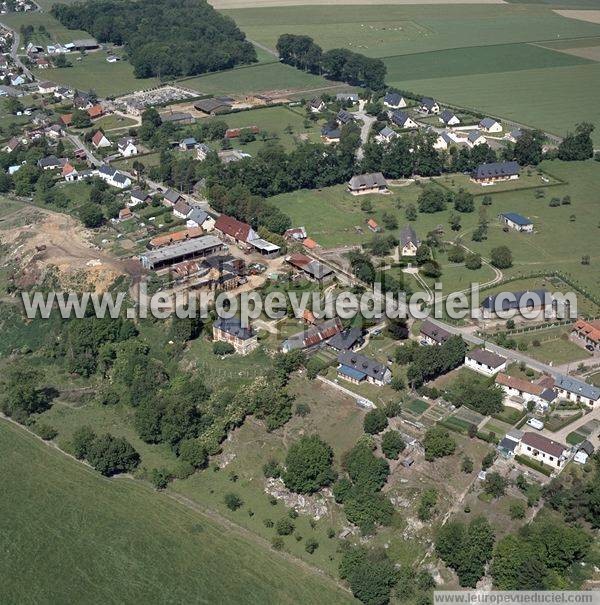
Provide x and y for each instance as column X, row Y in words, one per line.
column 407, row 235
column 50, row 160
column 507, row 444
column 344, row 117
column 587, row 447
column 577, row 387
column 171, row 196
column 210, row 105
column 486, row 358
column 234, row 327
column 198, row 215
column 487, row 122
column 138, row 194
column 474, row 135
column 548, row 395
column 435, row 332
column 119, row 177
column 392, row 98
column 331, row 132
column 447, row 115
column 428, row 102
column 518, row 219
column 522, row 299
column 106, row 170
column 400, row 117
column 387, row 132
column 346, row 339
column 363, row 364
column 496, row 169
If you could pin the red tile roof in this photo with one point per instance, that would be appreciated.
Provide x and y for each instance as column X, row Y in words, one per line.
column 67, row 119
column 309, row 243
column 68, row 169
column 97, row 137
column 176, row 236
column 233, row 228
column 590, row 330
column 298, row 260
column 95, row 111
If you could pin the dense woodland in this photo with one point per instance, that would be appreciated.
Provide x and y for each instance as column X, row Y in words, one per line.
column 338, row 63
column 165, row 38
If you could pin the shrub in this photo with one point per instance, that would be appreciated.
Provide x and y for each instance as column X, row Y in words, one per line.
column 311, row 545
column 223, row 348
column 45, row 431
column 284, row 526
column 392, row 444
column 233, row 501
column 375, row 421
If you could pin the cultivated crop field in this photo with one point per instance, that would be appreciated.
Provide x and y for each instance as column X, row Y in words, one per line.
column 96, row 540
column 493, row 58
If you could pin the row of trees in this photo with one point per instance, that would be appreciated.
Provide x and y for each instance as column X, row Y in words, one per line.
column 163, row 38
column 338, row 64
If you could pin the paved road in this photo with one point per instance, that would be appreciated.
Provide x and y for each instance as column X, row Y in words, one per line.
column 561, row 436
column 79, row 144
column 15, row 50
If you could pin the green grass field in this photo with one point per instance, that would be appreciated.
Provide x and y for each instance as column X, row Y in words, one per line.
column 92, row 540
column 476, row 56
column 331, row 215
column 257, row 78
column 93, row 72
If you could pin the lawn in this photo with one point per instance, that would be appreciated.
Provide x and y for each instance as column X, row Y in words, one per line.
column 113, row 122
column 554, row 346
column 257, row 78
column 93, row 72
column 594, row 379
column 416, row 406
column 122, row 542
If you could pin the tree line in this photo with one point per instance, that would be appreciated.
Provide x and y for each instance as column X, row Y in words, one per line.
column 338, row 64
column 163, row 38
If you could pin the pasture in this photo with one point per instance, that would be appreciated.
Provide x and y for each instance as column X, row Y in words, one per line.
column 122, row 542
column 331, row 217
column 258, row 78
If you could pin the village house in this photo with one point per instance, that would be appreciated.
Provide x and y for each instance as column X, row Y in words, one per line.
column 514, row 135
column 63, row 92
column 234, row 231
column 578, row 391
column 99, row 140
column 69, row 173
column 200, row 218
column 490, row 125
column 522, row 301
column 331, row 134
column 313, row 336
column 83, row 101
column 312, row 269
column 344, row 117
column 520, row 392
column 403, row 120
column 296, row 234
column 347, row 97
column 350, row 339
column 95, row 111
column 409, row 242
column 443, row 141
column 127, row 147
column 137, row 197
column 42, row 63
column 517, row 222
column 485, row 362
column 46, row 88
column 113, row 177
column 187, row 144
column 171, row 197
column 181, row 209
column 449, row 118
column 373, row 182
column 232, row 155
column 243, row 339
column 125, row 214
column 54, row 132
column 589, row 332
column 317, row 105
column 429, row 106
column 178, row 117
column 357, row 368
column 394, row 100
column 432, row 334
column 310, row 244
column 543, row 450
column 488, row 174
column 202, row 151
column 475, row 138
column 584, row 450
column 12, row 144
column 509, row 443
column 386, row 135
column 51, row 162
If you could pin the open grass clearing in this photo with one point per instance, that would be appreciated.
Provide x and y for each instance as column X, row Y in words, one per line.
column 123, row 542
column 553, row 347
column 257, row 78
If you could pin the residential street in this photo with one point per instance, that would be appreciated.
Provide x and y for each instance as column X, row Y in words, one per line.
column 15, row 50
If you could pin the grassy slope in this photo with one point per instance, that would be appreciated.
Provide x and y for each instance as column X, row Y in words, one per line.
column 90, row 540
